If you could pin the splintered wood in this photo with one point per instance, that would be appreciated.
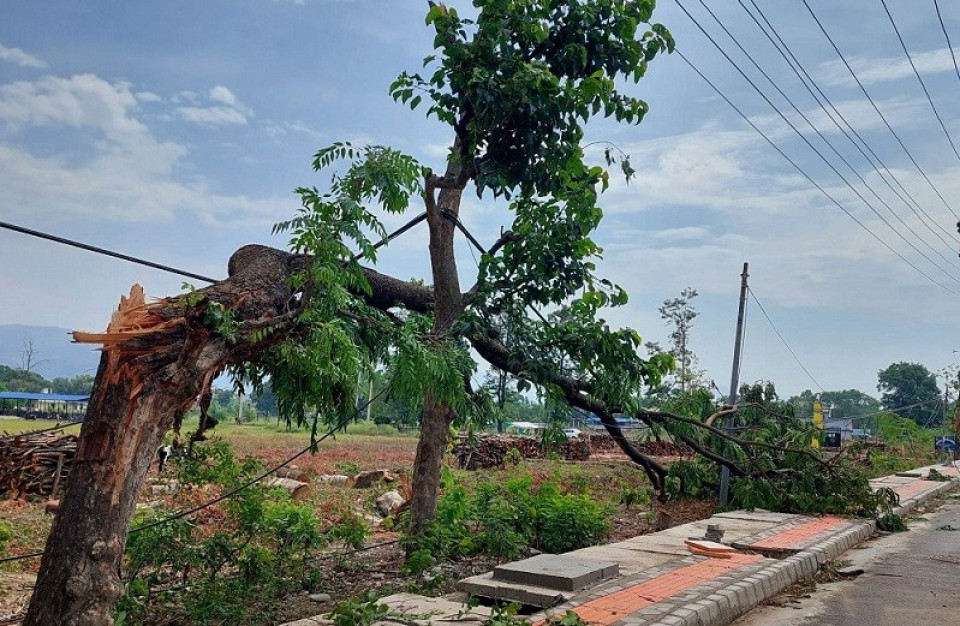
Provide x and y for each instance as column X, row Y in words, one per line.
column 35, row 463
column 132, row 318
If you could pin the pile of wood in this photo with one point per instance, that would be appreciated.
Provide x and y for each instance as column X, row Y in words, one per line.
column 493, row 450
column 35, row 463
column 604, row 444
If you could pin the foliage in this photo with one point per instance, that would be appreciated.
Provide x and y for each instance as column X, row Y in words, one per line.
column 6, row 533
column 891, row 523
column 503, row 519
column 910, row 390
column 780, row 469
column 215, row 463
column 361, row 611
column 15, row 379
column 679, row 314
column 847, row 403
column 263, row 549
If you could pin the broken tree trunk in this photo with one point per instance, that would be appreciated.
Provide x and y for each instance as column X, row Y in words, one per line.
column 155, row 359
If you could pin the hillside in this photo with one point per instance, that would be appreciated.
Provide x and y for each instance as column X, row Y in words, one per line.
column 56, row 355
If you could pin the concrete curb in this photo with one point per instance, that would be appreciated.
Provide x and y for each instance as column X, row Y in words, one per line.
column 731, row 596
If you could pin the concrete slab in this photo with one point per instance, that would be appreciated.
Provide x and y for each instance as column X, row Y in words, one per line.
column 893, row 480
column 631, row 561
column 555, row 571
column 486, row 586
column 435, row 610
column 759, row 515
column 734, row 529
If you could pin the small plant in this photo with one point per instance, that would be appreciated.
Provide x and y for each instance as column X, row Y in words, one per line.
column 891, row 523
column 567, row 619
column 350, row 468
column 630, row 496
column 512, row 457
column 6, row 533
column 506, row 616
column 361, row 611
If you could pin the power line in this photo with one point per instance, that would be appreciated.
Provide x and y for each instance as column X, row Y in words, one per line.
column 793, row 127
column 808, row 177
column 794, row 354
column 877, row 109
column 851, row 133
column 104, row 251
column 166, row 268
column 181, row 514
column 923, row 85
column 946, row 35
column 833, row 148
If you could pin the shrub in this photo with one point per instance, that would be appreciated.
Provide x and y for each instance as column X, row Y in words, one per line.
column 502, row 519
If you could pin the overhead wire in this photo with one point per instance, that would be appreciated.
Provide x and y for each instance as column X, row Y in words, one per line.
column 826, row 161
column 166, row 268
column 782, row 339
column 946, row 35
column 916, row 73
column 833, row 148
column 878, row 111
column 848, row 130
column 229, row 494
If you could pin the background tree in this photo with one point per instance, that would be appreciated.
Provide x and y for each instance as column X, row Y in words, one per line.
column 29, row 357
column 910, row 390
column 679, row 314
column 846, row 403
column 78, row 385
column 16, row 379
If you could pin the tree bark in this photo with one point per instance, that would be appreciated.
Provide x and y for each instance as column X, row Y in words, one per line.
column 156, row 360
column 448, row 306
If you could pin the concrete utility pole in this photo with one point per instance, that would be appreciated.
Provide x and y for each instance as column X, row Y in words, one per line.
column 734, row 377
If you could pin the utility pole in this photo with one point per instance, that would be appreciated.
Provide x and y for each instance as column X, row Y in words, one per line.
column 734, row 378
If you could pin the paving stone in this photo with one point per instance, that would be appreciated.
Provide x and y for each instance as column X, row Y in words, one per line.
column 486, row 586
column 553, row 571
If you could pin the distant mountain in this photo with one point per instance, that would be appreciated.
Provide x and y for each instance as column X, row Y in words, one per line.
column 52, row 349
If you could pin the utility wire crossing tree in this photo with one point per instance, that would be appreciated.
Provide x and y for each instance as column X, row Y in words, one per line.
column 515, row 86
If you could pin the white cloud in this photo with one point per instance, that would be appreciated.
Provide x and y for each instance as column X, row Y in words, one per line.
column 19, row 57
column 125, row 173
column 214, row 116
column 147, row 96
column 223, row 95
column 876, row 70
column 226, row 109
column 83, row 100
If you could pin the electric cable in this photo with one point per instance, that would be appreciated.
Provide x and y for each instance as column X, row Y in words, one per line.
column 810, row 145
column 229, row 494
column 877, row 109
column 807, row 176
column 946, row 36
column 851, row 133
column 780, row 335
column 916, row 73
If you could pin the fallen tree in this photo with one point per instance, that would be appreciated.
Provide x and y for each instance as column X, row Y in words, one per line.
column 515, row 86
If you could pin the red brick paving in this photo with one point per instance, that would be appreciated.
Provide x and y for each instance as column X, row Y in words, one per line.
column 795, row 536
column 912, row 489
column 608, row 609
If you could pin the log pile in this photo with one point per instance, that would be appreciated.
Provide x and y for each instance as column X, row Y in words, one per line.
column 604, row 444
column 35, row 463
column 492, row 450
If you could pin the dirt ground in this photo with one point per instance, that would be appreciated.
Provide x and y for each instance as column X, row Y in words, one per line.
column 378, row 567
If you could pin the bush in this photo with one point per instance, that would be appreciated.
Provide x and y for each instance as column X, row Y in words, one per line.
column 262, row 550
column 503, row 519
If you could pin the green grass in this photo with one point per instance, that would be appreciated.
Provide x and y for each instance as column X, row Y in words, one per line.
column 17, row 425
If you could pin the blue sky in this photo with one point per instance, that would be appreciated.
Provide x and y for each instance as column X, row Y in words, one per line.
column 177, row 131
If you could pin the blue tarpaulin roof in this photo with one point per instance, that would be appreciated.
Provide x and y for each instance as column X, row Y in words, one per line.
column 49, row 397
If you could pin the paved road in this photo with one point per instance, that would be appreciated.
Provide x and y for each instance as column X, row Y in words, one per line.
column 910, row 578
